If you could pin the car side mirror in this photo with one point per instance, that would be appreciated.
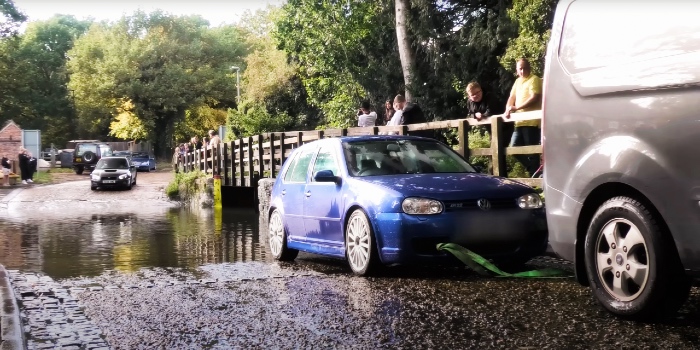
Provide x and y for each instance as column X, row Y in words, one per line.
column 326, row 176
column 477, row 168
column 132, row 166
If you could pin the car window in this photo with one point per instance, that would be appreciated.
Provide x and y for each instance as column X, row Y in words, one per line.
column 112, row 163
column 326, row 161
column 300, row 166
column 86, row 147
column 386, row 157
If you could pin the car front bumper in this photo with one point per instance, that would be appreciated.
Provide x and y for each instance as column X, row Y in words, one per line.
column 116, row 183
column 500, row 234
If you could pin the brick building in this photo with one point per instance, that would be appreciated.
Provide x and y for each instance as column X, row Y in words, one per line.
column 10, row 142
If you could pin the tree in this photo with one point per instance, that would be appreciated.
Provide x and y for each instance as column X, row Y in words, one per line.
column 346, row 52
column 408, row 65
column 534, row 19
column 273, row 97
column 168, row 67
column 37, row 97
column 11, row 18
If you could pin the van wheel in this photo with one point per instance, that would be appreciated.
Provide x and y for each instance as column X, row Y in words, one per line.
column 633, row 268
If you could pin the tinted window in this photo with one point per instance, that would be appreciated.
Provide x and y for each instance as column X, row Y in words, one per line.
column 367, row 158
column 300, row 166
column 112, row 163
column 326, row 161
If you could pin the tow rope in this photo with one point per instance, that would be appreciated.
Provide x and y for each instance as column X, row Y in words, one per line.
column 482, row 266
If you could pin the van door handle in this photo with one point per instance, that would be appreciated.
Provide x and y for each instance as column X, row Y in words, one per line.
column 308, row 193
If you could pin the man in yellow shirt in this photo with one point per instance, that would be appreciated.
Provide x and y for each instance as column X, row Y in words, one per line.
column 526, row 95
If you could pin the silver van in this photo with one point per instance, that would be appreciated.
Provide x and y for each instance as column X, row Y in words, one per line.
column 621, row 128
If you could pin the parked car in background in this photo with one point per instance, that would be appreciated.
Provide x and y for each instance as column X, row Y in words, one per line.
column 391, row 199
column 620, row 127
column 87, row 154
column 121, row 153
column 144, row 161
column 113, row 172
column 46, row 154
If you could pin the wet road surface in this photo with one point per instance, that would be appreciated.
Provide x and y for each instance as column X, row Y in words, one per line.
column 128, row 269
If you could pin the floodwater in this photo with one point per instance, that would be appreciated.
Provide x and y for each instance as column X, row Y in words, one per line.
column 87, row 244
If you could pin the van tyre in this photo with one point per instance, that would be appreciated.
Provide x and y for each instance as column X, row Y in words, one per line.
column 633, row 267
column 360, row 245
column 278, row 239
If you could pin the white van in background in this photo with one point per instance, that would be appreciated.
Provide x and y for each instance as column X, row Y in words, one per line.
column 621, row 134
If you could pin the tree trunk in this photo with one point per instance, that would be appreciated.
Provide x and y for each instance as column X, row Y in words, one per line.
column 405, row 54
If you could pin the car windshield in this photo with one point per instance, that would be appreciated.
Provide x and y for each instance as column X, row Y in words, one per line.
column 385, row 157
column 112, row 163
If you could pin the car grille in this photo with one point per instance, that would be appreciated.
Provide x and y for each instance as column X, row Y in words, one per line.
column 500, row 203
column 109, row 178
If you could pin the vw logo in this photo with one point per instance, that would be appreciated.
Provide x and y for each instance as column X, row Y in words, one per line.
column 483, row 204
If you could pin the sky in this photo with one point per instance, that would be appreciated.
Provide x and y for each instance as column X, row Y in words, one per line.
column 215, row 11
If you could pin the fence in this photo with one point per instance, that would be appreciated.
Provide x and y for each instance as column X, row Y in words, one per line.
column 243, row 161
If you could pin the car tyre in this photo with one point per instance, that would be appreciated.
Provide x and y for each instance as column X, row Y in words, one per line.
column 79, row 170
column 360, row 245
column 94, row 188
column 278, row 239
column 632, row 265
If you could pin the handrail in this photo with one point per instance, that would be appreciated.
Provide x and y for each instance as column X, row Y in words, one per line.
column 242, row 161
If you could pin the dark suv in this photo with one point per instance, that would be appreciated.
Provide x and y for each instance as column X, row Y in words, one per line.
column 87, row 154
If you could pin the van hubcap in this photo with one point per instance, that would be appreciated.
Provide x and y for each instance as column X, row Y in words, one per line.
column 622, row 259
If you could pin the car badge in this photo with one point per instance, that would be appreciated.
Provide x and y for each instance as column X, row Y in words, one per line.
column 483, row 204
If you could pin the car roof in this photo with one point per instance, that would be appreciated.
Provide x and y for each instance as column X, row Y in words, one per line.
column 383, row 137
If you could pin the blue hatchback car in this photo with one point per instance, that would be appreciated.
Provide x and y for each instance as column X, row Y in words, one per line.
column 387, row 200
column 144, row 161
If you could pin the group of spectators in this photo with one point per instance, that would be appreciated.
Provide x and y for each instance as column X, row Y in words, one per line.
column 525, row 95
column 27, row 167
column 213, row 140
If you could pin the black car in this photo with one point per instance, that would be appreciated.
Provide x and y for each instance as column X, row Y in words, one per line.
column 87, row 154
column 113, row 172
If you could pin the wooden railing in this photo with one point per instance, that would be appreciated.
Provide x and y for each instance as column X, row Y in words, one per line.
column 243, row 161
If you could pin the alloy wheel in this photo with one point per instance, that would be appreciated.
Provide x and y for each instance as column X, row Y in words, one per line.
column 622, row 259
column 358, row 242
column 276, row 234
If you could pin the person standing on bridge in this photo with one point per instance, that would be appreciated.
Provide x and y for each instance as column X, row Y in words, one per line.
column 525, row 96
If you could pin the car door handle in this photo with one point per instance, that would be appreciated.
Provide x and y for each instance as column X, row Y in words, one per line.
column 308, row 193
column 284, row 192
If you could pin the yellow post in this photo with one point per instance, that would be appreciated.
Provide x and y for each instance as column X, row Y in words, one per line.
column 217, row 191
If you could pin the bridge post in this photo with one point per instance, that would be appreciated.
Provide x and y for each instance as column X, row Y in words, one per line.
column 251, row 167
column 283, row 156
column 227, row 181
column 273, row 159
column 463, row 134
column 261, row 153
column 241, row 165
column 497, row 149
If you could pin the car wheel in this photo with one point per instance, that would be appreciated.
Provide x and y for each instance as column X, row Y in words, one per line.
column 94, row 188
column 633, row 267
column 360, row 247
column 278, row 239
column 79, row 170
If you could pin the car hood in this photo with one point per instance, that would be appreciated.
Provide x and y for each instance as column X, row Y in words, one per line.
column 140, row 159
column 110, row 172
column 451, row 186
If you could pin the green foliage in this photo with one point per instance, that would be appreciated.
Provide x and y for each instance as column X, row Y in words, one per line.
column 165, row 65
column 33, row 78
column 11, row 18
column 534, row 19
column 185, row 185
column 273, row 97
column 345, row 51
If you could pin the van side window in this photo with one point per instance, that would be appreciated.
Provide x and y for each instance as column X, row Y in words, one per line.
column 640, row 35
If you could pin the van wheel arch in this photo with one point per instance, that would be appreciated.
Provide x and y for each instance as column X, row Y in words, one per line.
column 593, row 201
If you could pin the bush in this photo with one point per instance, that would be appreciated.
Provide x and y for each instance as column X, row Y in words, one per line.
column 184, row 186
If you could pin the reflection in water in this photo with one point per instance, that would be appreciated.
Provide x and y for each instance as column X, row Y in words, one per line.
column 89, row 245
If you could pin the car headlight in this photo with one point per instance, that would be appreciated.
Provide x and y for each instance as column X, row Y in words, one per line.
column 415, row 205
column 95, row 177
column 123, row 176
column 530, row 201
